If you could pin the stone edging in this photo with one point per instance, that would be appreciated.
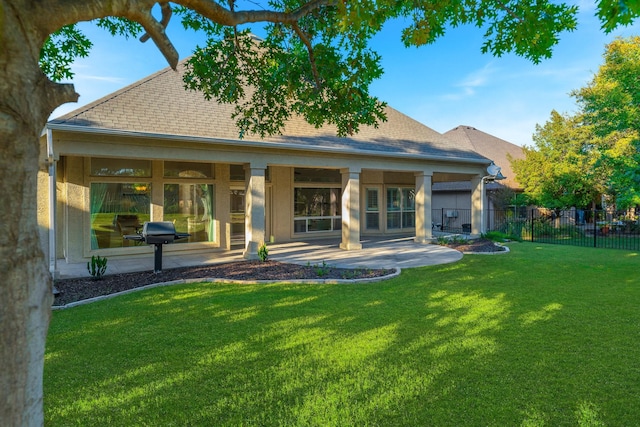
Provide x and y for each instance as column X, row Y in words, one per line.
column 227, row 281
column 505, row 250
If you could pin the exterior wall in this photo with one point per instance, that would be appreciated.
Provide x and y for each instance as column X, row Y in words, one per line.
column 451, row 200
column 73, row 187
column 280, row 211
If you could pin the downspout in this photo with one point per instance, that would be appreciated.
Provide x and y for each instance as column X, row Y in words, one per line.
column 53, row 267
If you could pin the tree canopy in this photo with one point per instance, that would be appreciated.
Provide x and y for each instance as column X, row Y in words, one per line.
column 576, row 159
column 315, row 60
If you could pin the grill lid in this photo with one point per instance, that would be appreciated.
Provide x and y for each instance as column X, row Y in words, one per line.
column 158, row 228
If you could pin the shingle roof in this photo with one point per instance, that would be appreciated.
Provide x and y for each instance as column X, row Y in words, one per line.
column 491, row 147
column 159, row 104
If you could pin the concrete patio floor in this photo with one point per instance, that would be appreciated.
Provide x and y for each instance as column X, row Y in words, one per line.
column 375, row 253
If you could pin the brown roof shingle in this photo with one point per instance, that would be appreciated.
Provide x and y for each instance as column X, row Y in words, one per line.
column 490, row 147
column 159, row 104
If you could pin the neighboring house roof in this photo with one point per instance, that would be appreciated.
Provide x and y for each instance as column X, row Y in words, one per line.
column 158, row 105
column 490, row 147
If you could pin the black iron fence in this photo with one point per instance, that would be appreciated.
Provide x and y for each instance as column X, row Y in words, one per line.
column 595, row 228
column 451, row 220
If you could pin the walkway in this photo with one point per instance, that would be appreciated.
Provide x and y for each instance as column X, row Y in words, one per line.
column 375, row 253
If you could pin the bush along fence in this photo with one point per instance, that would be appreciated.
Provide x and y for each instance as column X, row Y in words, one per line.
column 594, row 228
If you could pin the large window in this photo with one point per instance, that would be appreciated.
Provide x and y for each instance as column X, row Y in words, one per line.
column 190, row 207
column 117, row 209
column 401, row 208
column 317, row 209
column 120, row 199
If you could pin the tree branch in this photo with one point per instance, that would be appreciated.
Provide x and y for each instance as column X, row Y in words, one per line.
column 312, row 59
column 156, row 31
column 66, row 12
column 509, row 11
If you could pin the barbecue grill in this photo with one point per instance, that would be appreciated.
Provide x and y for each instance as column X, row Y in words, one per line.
column 157, row 233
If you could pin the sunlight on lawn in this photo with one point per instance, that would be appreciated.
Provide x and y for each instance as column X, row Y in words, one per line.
column 444, row 345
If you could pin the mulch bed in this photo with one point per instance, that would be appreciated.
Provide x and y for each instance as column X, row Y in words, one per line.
column 71, row 290
column 76, row 289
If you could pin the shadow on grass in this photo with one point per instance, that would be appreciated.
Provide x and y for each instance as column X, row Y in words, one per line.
column 486, row 341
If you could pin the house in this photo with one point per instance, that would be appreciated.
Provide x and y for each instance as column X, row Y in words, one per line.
column 451, row 200
column 153, row 151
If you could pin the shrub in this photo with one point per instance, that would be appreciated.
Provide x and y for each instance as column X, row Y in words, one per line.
column 97, row 266
column 263, row 252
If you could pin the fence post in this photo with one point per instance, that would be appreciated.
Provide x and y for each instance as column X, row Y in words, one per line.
column 595, row 229
column 531, row 225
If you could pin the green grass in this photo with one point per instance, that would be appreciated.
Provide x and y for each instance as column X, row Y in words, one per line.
column 545, row 335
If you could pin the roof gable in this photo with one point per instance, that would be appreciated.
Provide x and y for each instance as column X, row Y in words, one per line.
column 159, row 104
column 490, row 147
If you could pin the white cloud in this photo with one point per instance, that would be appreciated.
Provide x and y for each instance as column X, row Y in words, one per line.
column 471, row 82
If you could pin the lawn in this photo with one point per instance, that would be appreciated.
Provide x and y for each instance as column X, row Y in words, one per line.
column 544, row 335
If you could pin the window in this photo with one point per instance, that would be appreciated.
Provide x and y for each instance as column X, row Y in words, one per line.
column 188, row 170
column 190, row 207
column 317, row 175
column 120, row 167
column 117, row 209
column 237, row 172
column 372, row 206
column 317, row 209
column 401, row 208
column 120, row 200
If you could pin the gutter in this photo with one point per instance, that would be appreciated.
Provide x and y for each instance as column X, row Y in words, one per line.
column 52, row 205
column 257, row 144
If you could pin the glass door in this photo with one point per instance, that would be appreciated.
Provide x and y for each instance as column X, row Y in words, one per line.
column 237, row 204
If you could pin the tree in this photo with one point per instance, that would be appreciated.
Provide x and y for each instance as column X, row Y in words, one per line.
column 595, row 152
column 611, row 106
column 561, row 170
column 328, row 66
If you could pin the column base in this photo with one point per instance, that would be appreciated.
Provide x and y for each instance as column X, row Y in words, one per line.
column 350, row 246
column 424, row 239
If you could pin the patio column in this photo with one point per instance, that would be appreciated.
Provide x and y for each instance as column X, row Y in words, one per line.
column 254, row 222
column 424, row 231
column 477, row 205
column 350, row 209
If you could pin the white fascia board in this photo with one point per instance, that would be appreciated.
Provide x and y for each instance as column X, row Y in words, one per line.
column 258, row 144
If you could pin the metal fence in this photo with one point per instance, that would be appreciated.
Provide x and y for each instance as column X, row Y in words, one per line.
column 451, row 220
column 594, row 228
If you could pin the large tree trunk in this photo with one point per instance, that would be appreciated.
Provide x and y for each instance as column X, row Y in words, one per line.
column 27, row 98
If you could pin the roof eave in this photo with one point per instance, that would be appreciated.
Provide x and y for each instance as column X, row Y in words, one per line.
column 258, row 144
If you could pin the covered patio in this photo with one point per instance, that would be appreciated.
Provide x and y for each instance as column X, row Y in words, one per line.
column 378, row 252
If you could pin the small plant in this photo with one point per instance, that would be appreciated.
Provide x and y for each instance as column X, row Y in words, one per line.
column 448, row 240
column 263, row 252
column 321, row 270
column 97, row 266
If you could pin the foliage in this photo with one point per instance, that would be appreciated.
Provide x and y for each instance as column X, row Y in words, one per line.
column 500, row 237
column 61, row 49
column 561, row 171
column 97, row 266
column 263, row 252
column 320, row 269
column 319, row 65
column 446, row 240
column 514, row 339
column 596, row 151
column 611, row 104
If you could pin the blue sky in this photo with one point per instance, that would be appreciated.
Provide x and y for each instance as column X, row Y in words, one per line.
column 443, row 85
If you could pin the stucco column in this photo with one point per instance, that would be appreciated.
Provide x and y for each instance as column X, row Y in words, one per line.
column 423, row 208
column 350, row 209
column 254, row 211
column 477, row 205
